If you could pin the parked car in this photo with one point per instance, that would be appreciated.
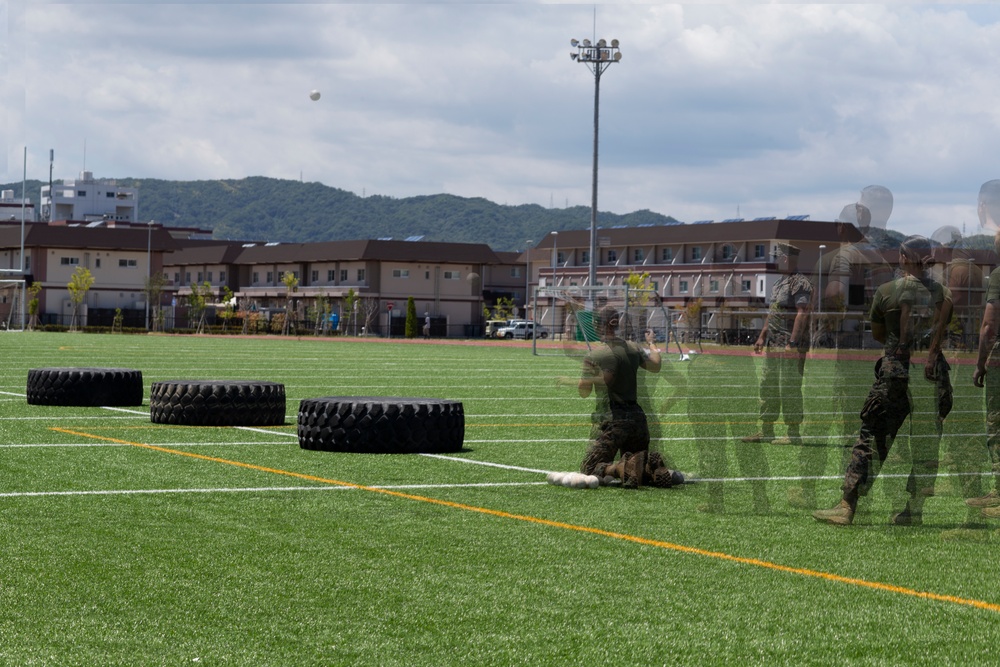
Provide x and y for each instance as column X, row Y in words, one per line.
column 493, row 326
column 523, row 329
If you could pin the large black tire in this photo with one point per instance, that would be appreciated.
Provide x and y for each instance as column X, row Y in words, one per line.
column 217, row 403
column 381, row 425
column 90, row 387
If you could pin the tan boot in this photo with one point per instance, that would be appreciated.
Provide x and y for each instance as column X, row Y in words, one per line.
column 841, row 515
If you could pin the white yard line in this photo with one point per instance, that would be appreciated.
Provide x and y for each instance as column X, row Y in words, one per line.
column 329, row 487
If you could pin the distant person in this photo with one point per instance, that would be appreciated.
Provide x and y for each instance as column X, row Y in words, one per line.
column 427, row 325
column 784, row 339
column 610, row 372
column 878, row 200
column 894, row 314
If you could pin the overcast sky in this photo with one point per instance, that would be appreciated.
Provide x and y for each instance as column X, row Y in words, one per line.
column 715, row 111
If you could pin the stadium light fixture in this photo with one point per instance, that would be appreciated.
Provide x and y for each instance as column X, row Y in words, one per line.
column 598, row 58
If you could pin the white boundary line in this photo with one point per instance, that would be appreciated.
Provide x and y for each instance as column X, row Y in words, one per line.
column 262, row 489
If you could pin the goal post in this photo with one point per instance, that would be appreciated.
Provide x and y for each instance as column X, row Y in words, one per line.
column 13, row 300
column 568, row 315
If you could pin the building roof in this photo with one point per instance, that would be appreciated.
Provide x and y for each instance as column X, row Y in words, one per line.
column 716, row 232
column 43, row 235
column 386, row 251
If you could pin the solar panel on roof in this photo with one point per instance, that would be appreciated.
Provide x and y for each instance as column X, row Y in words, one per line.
column 798, row 217
column 385, row 238
column 770, row 217
column 702, row 222
column 414, row 238
column 733, row 220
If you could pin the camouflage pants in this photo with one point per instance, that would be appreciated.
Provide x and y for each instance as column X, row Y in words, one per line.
column 992, row 386
column 781, row 387
column 884, row 412
column 619, row 431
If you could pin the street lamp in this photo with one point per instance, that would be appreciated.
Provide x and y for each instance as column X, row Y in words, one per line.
column 820, row 307
column 149, row 267
column 598, row 57
column 527, row 275
column 555, row 280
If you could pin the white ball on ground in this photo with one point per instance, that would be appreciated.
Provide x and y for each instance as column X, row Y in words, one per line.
column 556, row 478
column 569, row 479
column 593, row 481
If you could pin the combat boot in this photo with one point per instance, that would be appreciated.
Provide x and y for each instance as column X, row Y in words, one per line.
column 841, row 515
column 633, row 469
column 991, row 499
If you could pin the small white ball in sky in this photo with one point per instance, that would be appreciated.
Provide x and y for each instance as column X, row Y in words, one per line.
column 314, row 95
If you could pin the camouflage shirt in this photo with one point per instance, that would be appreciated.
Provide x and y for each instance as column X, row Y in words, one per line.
column 788, row 295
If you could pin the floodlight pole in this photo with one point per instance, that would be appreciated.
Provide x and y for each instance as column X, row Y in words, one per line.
column 149, row 268
column 527, row 275
column 598, row 57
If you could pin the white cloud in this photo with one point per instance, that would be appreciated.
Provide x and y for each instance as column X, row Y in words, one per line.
column 775, row 108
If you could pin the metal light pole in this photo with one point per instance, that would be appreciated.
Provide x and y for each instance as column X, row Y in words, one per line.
column 598, row 57
column 555, row 279
column 527, row 275
column 149, row 267
column 820, row 306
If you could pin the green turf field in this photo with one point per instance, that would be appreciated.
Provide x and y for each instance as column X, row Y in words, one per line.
column 118, row 547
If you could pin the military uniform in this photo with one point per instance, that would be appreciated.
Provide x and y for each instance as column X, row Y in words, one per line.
column 992, row 386
column 888, row 402
column 781, row 375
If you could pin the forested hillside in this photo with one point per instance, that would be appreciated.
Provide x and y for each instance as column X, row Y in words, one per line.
column 270, row 209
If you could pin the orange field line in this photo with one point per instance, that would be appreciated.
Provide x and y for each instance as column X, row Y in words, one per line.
column 815, row 574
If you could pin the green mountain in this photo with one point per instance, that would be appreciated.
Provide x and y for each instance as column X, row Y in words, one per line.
column 268, row 209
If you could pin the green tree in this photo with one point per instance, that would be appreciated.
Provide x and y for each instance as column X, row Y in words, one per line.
column 291, row 283
column 33, row 304
column 350, row 313
column 411, row 318
column 198, row 304
column 641, row 283
column 503, row 309
column 153, row 288
column 229, row 311
column 322, row 312
column 79, row 284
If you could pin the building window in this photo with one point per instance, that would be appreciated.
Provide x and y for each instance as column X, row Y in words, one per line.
column 638, row 255
column 187, row 276
column 81, row 193
column 427, row 275
column 97, row 263
column 759, row 251
column 683, row 288
column 314, row 276
column 452, row 275
column 695, row 253
column 585, row 257
column 177, row 278
column 667, row 255
column 612, row 255
column 209, row 276
column 561, row 258
column 201, row 277
column 222, row 276
column 728, row 251
column 745, row 286
column 361, row 275
column 403, row 273
column 270, row 277
column 515, row 272
column 109, row 195
column 69, row 261
column 713, row 286
column 256, row 278
column 343, row 275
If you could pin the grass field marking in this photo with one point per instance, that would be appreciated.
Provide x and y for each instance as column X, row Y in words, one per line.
column 669, row 546
column 11, row 393
column 484, row 463
column 144, row 413
column 264, row 430
column 253, row 489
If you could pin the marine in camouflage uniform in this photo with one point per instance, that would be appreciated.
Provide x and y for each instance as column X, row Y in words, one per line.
column 619, row 422
column 895, row 308
column 987, row 375
column 785, row 336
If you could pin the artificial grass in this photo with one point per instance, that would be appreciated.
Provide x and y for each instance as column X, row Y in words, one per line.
column 231, row 564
